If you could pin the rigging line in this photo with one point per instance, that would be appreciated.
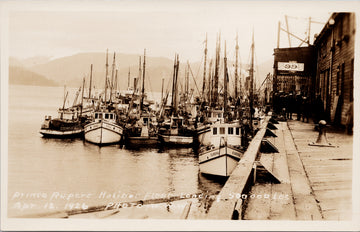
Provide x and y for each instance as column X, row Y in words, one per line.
column 149, row 83
column 200, row 64
column 194, row 79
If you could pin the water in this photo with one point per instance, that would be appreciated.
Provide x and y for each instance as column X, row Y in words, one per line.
column 53, row 174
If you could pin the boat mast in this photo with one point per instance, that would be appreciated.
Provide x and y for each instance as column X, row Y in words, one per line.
column 174, row 86
column 251, row 71
column 76, row 96
column 112, row 77
column 82, row 97
column 210, row 83
column 204, row 78
column 91, row 68
column 106, row 75
column 176, row 80
column 216, row 76
column 236, row 68
column 143, row 84
column 162, row 89
column 116, row 80
column 187, row 80
column 139, row 77
column 225, row 82
column 129, row 78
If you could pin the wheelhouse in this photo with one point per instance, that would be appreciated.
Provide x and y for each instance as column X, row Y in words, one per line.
column 104, row 116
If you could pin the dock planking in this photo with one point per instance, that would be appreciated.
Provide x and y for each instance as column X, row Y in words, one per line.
column 317, row 181
column 329, row 171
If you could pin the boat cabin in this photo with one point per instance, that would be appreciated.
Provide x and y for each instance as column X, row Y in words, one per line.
column 68, row 114
column 177, row 122
column 216, row 115
column 109, row 116
column 230, row 132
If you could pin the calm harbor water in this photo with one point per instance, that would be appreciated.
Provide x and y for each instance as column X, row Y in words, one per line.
column 54, row 175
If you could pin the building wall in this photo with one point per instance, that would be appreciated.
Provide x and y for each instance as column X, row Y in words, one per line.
column 295, row 81
column 335, row 65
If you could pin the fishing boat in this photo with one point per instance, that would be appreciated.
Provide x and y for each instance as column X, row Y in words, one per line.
column 105, row 128
column 176, row 130
column 143, row 132
column 221, row 156
column 66, row 125
column 141, row 127
column 70, row 121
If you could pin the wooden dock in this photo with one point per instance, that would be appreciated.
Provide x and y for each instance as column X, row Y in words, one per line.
column 316, row 182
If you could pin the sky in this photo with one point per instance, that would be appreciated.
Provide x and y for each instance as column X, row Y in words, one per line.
column 61, row 28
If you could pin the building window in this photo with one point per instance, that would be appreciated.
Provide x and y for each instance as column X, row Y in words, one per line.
column 237, row 130
column 214, row 131
column 230, row 130
column 222, row 130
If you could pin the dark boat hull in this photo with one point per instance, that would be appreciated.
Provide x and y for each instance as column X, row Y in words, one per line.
column 50, row 133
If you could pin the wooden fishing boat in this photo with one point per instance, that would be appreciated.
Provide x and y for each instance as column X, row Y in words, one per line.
column 174, row 132
column 141, row 128
column 221, row 156
column 104, row 129
column 70, row 121
column 143, row 132
column 66, row 126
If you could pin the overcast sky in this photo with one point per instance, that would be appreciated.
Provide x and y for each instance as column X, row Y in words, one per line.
column 60, row 28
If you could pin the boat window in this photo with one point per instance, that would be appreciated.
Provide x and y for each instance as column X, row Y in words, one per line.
column 111, row 116
column 106, row 116
column 222, row 130
column 214, row 130
column 230, row 130
column 237, row 130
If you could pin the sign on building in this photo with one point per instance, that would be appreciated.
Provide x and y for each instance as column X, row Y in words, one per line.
column 290, row 66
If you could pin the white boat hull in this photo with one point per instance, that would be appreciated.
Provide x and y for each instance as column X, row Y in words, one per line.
column 219, row 162
column 177, row 140
column 103, row 132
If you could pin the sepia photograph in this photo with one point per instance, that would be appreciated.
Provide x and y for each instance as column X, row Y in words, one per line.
column 179, row 115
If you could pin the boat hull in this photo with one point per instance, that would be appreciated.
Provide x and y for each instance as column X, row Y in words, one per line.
column 177, row 140
column 49, row 133
column 219, row 161
column 135, row 141
column 103, row 133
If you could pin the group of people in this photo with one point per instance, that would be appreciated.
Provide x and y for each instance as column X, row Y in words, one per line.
column 288, row 104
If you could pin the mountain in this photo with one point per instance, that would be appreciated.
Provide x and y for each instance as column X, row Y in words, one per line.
column 29, row 62
column 70, row 70
column 22, row 76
